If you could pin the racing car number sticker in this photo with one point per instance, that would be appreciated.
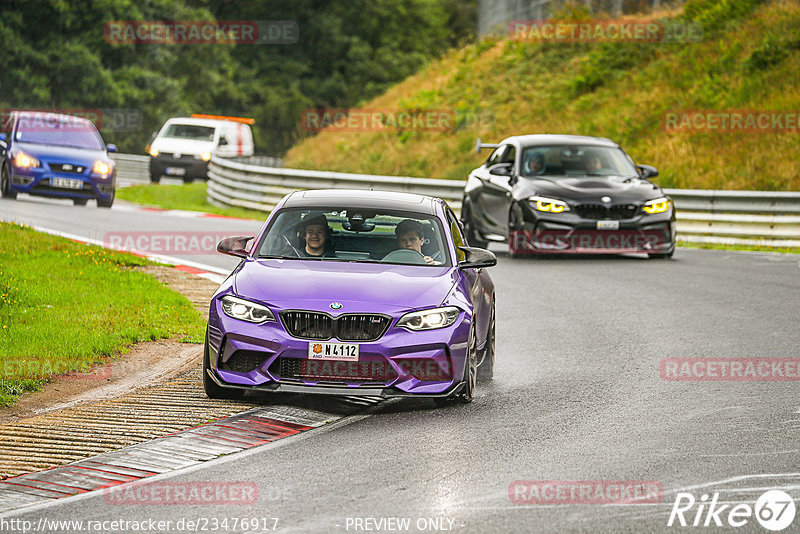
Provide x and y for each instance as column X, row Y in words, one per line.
column 347, row 352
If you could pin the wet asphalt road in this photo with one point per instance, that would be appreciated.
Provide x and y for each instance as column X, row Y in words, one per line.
column 577, row 396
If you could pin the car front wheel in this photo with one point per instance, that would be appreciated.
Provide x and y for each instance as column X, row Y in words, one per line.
column 5, row 184
column 212, row 389
column 486, row 368
column 469, row 227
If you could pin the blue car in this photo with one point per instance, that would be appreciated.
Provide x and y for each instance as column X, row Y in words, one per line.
column 55, row 155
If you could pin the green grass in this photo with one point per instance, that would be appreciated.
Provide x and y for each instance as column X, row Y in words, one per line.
column 68, row 307
column 749, row 248
column 748, row 59
column 190, row 197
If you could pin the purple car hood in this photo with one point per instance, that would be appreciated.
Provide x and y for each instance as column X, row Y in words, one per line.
column 358, row 287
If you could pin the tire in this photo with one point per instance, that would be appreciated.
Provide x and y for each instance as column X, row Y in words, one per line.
column 662, row 255
column 466, row 395
column 486, row 368
column 106, row 203
column 469, row 227
column 212, row 389
column 514, row 223
column 154, row 178
column 188, row 180
column 80, row 201
column 5, row 184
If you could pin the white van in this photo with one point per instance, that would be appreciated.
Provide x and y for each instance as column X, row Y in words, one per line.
column 184, row 145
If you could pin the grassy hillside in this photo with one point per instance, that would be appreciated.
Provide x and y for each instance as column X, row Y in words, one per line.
column 748, row 59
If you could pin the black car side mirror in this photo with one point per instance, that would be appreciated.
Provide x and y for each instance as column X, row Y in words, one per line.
column 647, row 171
column 477, row 258
column 501, row 169
column 234, row 246
column 222, row 141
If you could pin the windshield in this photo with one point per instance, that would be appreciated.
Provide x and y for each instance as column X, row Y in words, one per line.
column 189, row 131
column 58, row 130
column 341, row 233
column 572, row 160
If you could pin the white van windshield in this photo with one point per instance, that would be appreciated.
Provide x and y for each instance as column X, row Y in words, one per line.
column 189, row 131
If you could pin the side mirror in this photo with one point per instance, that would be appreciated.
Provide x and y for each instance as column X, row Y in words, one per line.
column 647, row 171
column 501, row 169
column 222, row 141
column 2, row 137
column 234, row 246
column 477, row 258
column 111, row 147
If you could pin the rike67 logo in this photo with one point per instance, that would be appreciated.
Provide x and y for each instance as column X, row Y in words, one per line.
column 774, row 510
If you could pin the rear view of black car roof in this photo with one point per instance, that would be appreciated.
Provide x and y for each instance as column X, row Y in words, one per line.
column 362, row 198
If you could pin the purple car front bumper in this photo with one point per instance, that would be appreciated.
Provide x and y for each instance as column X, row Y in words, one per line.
column 265, row 357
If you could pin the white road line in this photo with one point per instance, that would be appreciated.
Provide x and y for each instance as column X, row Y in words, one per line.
column 170, row 260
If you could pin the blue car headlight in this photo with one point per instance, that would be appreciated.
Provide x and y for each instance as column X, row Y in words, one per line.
column 25, row 161
column 429, row 319
column 245, row 310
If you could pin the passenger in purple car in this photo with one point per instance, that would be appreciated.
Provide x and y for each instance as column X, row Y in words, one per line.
column 411, row 236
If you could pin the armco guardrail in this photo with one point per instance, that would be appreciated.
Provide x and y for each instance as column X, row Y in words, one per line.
column 132, row 168
column 735, row 217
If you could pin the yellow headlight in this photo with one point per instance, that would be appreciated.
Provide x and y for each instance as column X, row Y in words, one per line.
column 101, row 167
column 205, row 156
column 153, row 151
column 548, row 204
column 659, row 205
column 26, row 161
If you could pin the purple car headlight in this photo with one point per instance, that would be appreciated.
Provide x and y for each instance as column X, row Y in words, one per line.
column 429, row 319
column 245, row 310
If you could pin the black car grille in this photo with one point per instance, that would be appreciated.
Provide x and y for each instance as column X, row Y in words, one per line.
column 601, row 211
column 299, row 369
column 68, row 168
column 244, row 361
column 347, row 327
column 44, row 185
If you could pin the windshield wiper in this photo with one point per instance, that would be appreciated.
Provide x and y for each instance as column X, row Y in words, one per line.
column 276, row 257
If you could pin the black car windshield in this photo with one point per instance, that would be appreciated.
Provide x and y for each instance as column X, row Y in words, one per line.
column 189, row 131
column 576, row 161
column 341, row 233
column 58, row 130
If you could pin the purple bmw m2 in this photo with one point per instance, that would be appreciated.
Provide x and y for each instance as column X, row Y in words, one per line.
column 353, row 293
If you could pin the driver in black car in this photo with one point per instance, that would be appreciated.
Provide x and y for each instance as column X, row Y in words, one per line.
column 410, row 235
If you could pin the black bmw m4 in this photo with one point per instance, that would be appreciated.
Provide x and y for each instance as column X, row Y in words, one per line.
column 545, row 194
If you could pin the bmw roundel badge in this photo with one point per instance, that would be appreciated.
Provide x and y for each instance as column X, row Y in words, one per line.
column 336, row 305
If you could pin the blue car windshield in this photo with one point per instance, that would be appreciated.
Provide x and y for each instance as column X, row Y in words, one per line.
column 341, row 233
column 576, row 161
column 58, row 130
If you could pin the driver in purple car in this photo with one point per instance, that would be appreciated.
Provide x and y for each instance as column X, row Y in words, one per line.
column 315, row 235
column 411, row 236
